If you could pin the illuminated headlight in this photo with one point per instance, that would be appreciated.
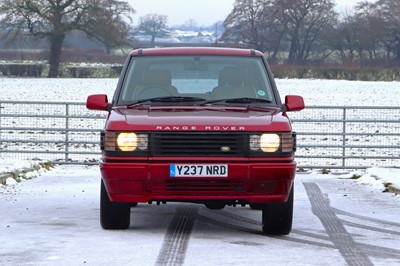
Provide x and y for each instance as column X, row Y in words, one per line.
column 124, row 141
column 127, row 141
column 265, row 142
column 272, row 142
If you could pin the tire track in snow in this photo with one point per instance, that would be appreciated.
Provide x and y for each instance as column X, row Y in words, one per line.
column 177, row 238
column 343, row 241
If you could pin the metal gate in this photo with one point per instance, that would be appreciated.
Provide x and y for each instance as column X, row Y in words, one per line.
column 328, row 137
column 347, row 137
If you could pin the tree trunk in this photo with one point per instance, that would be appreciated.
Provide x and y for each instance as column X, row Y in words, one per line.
column 56, row 43
column 398, row 48
column 294, row 45
column 294, row 49
column 153, row 42
column 277, row 45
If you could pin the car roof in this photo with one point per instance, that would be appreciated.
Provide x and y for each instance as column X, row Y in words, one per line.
column 196, row 51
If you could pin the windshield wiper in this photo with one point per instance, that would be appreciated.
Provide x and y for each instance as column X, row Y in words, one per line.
column 240, row 100
column 178, row 99
column 182, row 99
column 169, row 99
column 248, row 100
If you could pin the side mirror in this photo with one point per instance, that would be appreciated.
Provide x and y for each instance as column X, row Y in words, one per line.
column 97, row 102
column 294, row 103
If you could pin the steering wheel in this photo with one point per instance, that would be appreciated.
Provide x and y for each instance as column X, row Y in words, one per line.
column 153, row 92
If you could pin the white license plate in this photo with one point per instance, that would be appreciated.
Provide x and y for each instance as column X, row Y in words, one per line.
column 198, row 170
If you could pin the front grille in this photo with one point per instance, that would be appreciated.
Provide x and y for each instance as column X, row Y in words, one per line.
column 197, row 144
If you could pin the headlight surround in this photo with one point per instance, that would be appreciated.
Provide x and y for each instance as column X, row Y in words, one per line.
column 124, row 141
column 272, row 142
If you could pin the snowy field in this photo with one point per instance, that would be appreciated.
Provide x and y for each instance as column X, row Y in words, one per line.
column 315, row 93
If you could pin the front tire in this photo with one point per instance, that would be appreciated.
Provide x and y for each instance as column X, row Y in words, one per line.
column 113, row 215
column 277, row 217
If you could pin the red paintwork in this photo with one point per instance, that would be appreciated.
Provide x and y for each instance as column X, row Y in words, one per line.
column 294, row 103
column 135, row 181
column 197, row 51
column 143, row 179
column 97, row 102
column 200, row 119
column 131, row 179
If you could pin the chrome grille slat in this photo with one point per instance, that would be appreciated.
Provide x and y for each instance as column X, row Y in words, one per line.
column 197, row 144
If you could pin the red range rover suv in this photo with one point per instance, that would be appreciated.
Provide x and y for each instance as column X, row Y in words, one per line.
column 199, row 125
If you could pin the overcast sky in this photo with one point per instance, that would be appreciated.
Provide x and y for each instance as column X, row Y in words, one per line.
column 204, row 12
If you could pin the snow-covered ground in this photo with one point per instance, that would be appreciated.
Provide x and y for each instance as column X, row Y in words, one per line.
column 380, row 179
column 54, row 220
column 315, row 92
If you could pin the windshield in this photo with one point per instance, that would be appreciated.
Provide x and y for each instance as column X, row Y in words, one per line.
column 188, row 79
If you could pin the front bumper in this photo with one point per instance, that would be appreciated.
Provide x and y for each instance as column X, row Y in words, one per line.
column 248, row 181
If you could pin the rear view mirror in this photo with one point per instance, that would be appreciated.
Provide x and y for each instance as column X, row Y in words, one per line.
column 294, row 103
column 97, row 102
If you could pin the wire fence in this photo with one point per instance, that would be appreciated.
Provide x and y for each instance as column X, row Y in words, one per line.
column 50, row 131
column 327, row 137
column 347, row 137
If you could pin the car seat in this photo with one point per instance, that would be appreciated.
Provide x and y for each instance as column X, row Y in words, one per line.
column 232, row 84
column 155, row 83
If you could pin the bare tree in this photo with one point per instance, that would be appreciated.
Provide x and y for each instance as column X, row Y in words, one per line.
column 306, row 19
column 153, row 25
column 345, row 37
column 274, row 25
column 370, row 29
column 245, row 24
column 108, row 24
column 389, row 11
column 218, row 28
column 50, row 20
column 191, row 24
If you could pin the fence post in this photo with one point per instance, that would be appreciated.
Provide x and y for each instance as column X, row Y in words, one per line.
column 66, row 131
column 344, row 138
